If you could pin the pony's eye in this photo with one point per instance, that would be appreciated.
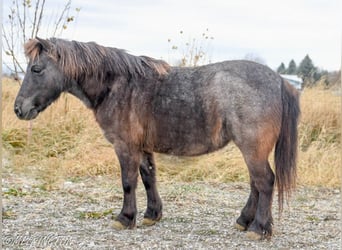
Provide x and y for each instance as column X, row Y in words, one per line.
column 36, row 69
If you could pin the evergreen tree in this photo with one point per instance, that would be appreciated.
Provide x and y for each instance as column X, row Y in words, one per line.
column 292, row 69
column 306, row 68
column 281, row 69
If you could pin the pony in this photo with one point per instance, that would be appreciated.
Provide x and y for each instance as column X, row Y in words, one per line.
column 143, row 105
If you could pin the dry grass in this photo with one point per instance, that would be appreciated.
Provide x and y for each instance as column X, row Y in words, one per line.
column 66, row 142
column 320, row 138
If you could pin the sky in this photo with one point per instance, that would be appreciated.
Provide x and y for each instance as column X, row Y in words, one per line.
column 271, row 30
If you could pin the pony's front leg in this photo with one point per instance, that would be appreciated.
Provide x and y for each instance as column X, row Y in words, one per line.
column 154, row 204
column 129, row 158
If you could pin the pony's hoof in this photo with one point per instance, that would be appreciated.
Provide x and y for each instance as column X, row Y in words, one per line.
column 253, row 235
column 148, row 222
column 240, row 227
column 119, row 226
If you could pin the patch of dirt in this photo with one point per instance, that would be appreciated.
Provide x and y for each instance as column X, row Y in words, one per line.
column 78, row 215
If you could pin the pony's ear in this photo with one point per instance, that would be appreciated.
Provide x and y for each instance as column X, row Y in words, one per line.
column 44, row 44
column 33, row 47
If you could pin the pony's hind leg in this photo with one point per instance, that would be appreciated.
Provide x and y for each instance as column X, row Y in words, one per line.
column 154, row 205
column 248, row 212
column 263, row 178
column 256, row 216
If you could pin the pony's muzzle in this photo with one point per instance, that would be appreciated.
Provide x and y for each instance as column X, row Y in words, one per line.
column 24, row 109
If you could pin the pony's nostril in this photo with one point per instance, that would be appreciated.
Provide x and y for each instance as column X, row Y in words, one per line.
column 17, row 111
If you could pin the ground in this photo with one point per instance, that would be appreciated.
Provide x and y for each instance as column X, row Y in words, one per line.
column 198, row 215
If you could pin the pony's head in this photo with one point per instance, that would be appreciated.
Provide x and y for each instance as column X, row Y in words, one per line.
column 44, row 81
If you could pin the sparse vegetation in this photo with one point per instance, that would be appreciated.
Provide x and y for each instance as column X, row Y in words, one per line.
column 66, row 142
column 95, row 215
column 193, row 51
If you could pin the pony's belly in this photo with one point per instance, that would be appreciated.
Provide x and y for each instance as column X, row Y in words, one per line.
column 188, row 149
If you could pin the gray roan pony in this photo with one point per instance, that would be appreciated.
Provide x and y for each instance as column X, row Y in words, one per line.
column 143, row 106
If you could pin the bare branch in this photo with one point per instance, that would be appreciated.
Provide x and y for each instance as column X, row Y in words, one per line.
column 40, row 18
column 60, row 19
column 20, row 20
column 25, row 20
column 9, row 39
column 34, row 23
column 17, row 68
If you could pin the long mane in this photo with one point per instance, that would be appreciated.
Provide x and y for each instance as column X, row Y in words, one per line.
column 78, row 60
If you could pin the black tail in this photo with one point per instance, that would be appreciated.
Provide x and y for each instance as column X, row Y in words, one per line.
column 286, row 146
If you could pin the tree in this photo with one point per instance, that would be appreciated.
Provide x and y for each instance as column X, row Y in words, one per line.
column 281, row 69
column 292, row 68
column 27, row 19
column 306, row 69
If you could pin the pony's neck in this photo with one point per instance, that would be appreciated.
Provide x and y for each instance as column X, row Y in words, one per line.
column 77, row 91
